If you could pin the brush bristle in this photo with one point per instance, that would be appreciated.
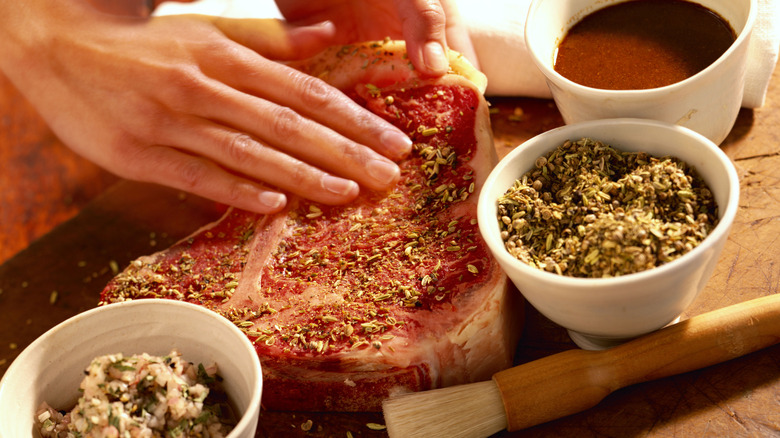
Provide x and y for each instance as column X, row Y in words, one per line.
column 464, row 411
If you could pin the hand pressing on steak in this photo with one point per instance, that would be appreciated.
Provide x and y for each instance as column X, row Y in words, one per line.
column 205, row 104
column 428, row 26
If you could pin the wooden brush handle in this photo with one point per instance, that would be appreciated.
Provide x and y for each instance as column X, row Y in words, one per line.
column 575, row 380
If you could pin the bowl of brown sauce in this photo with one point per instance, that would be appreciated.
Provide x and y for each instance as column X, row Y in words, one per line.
column 677, row 61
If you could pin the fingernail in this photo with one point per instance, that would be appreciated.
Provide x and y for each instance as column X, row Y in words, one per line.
column 271, row 200
column 385, row 172
column 434, row 57
column 396, row 143
column 339, row 186
column 326, row 25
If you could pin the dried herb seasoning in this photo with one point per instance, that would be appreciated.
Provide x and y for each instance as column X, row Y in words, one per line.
column 589, row 210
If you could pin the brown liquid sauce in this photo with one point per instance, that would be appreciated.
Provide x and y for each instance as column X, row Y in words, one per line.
column 643, row 44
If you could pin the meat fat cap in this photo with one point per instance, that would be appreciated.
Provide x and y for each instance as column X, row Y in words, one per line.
column 378, row 63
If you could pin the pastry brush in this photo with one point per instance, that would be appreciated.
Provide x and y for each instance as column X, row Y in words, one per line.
column 575, row 380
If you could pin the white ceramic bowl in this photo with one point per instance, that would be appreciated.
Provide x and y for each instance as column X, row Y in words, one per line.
column 51, row 368
column 707, row 102
column 599, row 313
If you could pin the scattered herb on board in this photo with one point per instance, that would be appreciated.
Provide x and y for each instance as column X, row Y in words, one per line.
column 589, row 210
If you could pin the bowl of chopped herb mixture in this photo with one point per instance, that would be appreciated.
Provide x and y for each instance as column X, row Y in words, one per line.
column 136, row 368
column 610, row 228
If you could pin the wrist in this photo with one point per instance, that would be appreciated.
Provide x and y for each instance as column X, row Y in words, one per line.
column 28, row 28
column 35, row 33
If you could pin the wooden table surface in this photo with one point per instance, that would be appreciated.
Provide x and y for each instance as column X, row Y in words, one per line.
column 66, row 225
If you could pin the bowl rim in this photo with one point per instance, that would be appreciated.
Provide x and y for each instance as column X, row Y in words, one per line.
column 256, row 393
column 550, row 73
column 486, row 208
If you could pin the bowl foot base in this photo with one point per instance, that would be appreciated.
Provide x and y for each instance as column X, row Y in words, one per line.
column 591, row 342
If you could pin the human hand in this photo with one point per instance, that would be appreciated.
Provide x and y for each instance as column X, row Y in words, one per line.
column 197, row 103
column 429, row 27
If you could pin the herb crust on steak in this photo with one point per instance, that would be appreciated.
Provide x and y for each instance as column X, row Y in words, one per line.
column 394, row 292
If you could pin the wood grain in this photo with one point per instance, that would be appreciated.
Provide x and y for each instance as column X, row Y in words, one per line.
column 66, row 225
column 42, row 182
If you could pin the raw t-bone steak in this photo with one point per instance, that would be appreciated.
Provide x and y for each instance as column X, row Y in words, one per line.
column 395, row 292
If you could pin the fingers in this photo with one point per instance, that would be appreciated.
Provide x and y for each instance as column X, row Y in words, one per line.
column 430, row 27
column 324, row 171
column 457, row 34
column 309, row 97
column 424, row 28
column 286, row 131
column 262, row 123
column 300, row 137
column 277, row 40
column 204, row 177
column 167, row 166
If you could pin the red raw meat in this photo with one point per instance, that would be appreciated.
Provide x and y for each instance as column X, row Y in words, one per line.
column 396, row 292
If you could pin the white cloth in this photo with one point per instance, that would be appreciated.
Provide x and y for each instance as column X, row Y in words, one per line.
column 762, row 53
column 496, row 29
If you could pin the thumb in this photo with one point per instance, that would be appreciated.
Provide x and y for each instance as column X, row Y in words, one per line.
column 424, row 28
column 276, row 39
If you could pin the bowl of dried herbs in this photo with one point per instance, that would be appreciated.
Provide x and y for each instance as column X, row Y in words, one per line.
column 610, row 228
